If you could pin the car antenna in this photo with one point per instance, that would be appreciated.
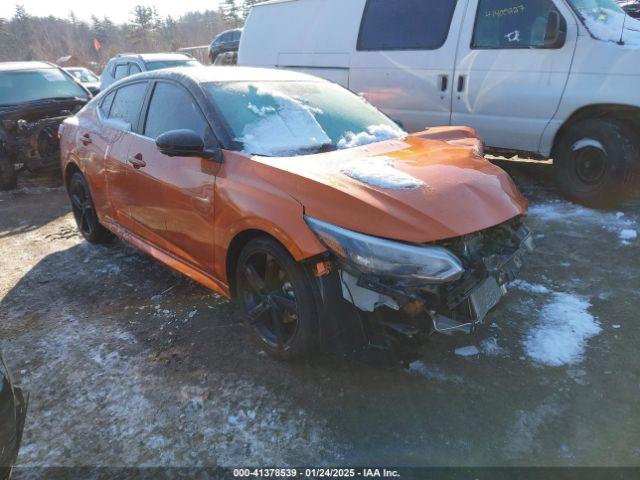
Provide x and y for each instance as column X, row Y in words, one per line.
column 624, row 25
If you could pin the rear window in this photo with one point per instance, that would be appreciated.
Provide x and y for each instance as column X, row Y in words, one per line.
column 30, row 85
column 160, row 64
column 405, row 24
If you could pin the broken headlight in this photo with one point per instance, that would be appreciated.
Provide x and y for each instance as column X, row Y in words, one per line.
column 388, row 258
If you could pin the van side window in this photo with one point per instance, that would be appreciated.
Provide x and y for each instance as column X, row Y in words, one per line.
column 506, row 24
column 405, row 24
column 134, row 68
column 120, row 71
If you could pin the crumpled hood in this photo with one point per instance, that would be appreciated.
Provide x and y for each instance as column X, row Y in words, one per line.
column 430, row 186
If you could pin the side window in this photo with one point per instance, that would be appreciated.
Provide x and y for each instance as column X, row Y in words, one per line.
column 513, row 24
column 105, row 105
column 120, row 71
column 128, row 103
column 133, row 69
column 405, row 24
column 173, row 108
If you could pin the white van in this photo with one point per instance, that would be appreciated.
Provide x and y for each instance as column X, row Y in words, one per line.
column 552, row 78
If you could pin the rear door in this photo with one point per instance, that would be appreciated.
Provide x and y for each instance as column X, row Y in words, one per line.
column 174, row 196
column 119, row 126
column 509, row 76
column 405, row 56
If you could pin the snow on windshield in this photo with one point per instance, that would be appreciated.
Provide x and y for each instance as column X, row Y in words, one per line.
column 374, row 133
column 290, row 118
column 289, row 123
column 605, row 22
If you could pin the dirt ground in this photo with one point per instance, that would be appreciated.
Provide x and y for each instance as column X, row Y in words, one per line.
column 131, row 364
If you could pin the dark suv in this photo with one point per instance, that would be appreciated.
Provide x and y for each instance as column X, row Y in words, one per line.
column 228, row 41
column 35, row 97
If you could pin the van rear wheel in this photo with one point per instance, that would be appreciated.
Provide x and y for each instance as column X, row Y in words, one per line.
column 596, row 162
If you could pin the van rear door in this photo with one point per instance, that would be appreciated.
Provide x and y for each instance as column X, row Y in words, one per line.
column 405, row 57
column 512, row 67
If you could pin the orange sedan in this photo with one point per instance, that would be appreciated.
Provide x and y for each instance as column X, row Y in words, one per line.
column 300, row 200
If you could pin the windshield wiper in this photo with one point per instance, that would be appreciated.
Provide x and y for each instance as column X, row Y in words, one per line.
column 324, row 148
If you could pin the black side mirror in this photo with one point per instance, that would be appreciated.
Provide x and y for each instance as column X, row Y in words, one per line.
column 556, row 33
column 185, row 143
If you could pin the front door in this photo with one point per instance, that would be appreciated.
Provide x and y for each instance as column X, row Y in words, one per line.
column 510, row 73
column 405, row 58
column 173, row 200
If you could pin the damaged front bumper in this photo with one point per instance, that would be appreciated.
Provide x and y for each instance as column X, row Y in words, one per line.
column 412, row 308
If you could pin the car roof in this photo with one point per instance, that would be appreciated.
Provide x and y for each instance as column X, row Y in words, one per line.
column 155, row 56
column 206, row 74
column 16, row 66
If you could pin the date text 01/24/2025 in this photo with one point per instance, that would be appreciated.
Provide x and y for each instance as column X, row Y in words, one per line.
column 315, row 473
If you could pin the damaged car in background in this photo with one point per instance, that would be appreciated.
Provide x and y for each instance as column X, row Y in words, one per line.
column 13, row 410
column 35, row 97
column 327, row 222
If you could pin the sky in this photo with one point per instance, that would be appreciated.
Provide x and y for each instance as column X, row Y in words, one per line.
column 116, row 10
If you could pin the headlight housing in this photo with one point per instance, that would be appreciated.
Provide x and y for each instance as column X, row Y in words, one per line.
column 382, row 257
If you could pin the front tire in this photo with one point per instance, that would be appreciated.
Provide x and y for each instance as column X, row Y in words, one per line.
column 276, row 297
column 84, row 211
column 8, row 175
column 596, row 162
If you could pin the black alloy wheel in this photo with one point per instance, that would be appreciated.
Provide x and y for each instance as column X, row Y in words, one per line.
column 84, row 211
column 276, row 298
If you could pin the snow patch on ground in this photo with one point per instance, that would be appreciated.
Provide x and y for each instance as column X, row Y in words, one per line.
column 489, row 346
column 529, row 287
column 522, row 437
column 561, row 336
column 433, row 373
column 122, row 393
column 380, row 172
column 562, row 211
column 628, row 234
column 374, row 133
column 469, row 351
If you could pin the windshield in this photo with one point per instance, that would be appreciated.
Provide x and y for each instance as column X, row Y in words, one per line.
column 84, row 76
column 159, row 64
column 606, row 21
column 296, row 118
column 26, row 86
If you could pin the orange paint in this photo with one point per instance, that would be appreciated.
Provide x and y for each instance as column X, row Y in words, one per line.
column 186, row 212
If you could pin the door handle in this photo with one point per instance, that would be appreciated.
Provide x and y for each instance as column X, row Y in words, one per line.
column 444, row 83
column 137, row 162
column 86, row 139
column 461, row 82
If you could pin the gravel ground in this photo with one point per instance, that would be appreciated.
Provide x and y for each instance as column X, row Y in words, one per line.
column 130, row 364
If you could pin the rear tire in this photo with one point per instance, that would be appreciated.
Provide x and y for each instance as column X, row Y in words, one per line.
column 8, row 174
column 596, row 162
column 84, row 211
column 276, row 297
